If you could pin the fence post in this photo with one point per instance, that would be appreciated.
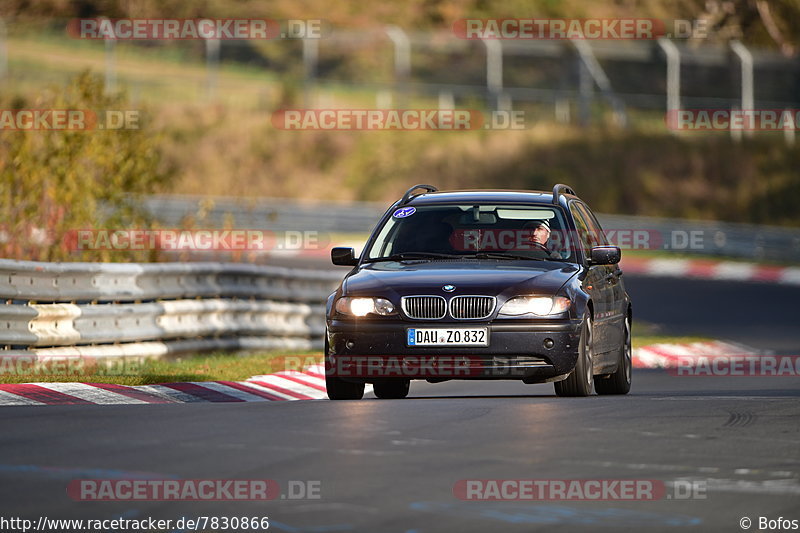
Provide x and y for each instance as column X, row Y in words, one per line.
column 212, row 66
column 585, row 94
column 310, row 60
column 402, row 62
column 746, row 61
column 673, row 73
column 789, row 133
column 111, row 66
column 494, row 72
column 591, row 72
column 736, row 134
column 3, row 49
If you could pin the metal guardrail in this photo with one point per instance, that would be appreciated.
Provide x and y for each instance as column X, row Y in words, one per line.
column 151, row 310
column 712, row 238
column 696, row 237
column 276, row 214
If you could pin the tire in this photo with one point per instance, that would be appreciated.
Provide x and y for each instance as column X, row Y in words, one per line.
column 395, row 389
column 580, row 380
column 337, row 388
column 620, row 381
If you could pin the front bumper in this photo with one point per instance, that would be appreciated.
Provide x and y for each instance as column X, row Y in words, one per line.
column 373, row 350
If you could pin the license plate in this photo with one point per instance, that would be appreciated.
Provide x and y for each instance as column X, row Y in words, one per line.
column 448, row 337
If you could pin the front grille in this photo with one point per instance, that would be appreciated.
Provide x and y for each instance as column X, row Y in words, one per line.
column 472, row 307
column 424, row 307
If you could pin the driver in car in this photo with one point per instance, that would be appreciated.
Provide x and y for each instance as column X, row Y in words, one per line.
column 539, row 234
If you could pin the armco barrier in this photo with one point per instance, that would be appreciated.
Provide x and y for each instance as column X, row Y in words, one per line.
column 693, row 237
column 153, row 310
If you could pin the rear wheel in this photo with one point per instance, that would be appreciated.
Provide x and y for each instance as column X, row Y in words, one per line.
column 337, row 388
column 579, row 382
column 392, row 390
column 620, row 381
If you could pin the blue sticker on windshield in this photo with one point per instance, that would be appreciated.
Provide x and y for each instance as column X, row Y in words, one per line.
column 404, row 212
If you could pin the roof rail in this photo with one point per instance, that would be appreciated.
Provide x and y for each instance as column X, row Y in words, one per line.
column 557, row 191
column 409, row 193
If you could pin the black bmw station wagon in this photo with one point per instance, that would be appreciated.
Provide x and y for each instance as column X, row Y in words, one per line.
column 480, row 285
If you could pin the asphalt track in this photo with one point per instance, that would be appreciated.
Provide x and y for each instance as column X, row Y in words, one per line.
column 392, row 465
column 761, row 315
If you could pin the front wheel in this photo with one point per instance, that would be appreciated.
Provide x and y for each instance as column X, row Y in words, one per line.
column 336, row 387
column 339, row 389
column 579, row 382
column 620, row 381
column 392, row 390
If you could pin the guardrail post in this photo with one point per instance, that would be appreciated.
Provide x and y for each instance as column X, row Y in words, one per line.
column 494, row 73
column 402, row 62
column 561, row 109
column 446, row 100
column 746, row 61
column 310, row 61
column 673, row 73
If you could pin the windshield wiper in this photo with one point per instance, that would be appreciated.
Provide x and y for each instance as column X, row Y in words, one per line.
column 501, row 255
column 413, row 255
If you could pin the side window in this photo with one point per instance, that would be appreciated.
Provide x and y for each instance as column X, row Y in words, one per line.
column 383, row 244
column 581, row 227
column 597, row 235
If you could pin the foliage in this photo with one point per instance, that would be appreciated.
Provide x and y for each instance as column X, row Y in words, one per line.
column 774, row 23
column 55, row 182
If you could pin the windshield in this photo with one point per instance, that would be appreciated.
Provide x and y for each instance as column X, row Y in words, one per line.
column 482, row 231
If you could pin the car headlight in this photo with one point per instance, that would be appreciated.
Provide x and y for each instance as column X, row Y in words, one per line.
column 365, row 306
column 536, row 305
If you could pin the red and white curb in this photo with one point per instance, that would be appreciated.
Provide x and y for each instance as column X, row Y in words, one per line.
column 714, row 270
column 282, row 386
column 288, row 385
column 670, row 355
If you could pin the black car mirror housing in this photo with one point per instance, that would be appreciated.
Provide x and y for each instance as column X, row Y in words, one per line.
column 343, row 256
column 605, row 255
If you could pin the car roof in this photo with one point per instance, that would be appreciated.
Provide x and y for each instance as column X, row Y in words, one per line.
column 485, row 196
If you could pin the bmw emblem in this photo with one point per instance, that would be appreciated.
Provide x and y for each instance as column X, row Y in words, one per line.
column 449, row 288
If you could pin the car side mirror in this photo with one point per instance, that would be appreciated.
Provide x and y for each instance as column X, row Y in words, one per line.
column 343, row 256
column 605, row 255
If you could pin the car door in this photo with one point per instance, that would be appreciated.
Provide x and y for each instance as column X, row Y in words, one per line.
column 615, row 320
column 596, row 283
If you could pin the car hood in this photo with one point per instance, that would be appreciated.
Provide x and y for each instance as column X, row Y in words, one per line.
column 492, row 278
